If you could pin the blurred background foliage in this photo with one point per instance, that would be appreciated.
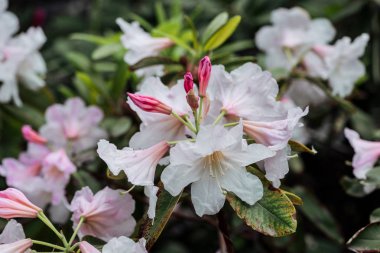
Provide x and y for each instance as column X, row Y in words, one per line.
column 328, row 217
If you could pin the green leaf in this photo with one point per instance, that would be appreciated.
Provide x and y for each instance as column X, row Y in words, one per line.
column 194, row 32
column 296, row 200
column 164, row 208
column 273, row 215
column 106, row 50
column 160, row 12
column 119, row 80
column 26, row 114
column 366, row 239
column 151, row 61
column 80, row 61
column 143, row 22
column 375, row 216
column 232, row 48
column 89, row 38
column 222, row 34
column 353, row 187
column 214, row 26
column 363, row 124
column 299, row 147
column 373, row 176
column 176, row 40
column 318, row 214
column 117, row 126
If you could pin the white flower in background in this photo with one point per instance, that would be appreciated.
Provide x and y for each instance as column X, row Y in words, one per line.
column 74, row 127
column 293, row 32
column 213, row 164
column 339, row 63
column 19, row 57
column 125, row 245
column 12, row 239
column 367, row 153
column 140, row 45
column 157, row 127
column 305, row 93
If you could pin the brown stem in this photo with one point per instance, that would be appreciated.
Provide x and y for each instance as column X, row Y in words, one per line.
column 223, row 228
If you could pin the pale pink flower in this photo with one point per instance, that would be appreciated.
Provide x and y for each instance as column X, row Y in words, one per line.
column 151, row 192
column 14, row 204
column 138, row 165
column 73, row 126
column 85, row 247
column 140, row 45
column 57, row 169
column 156, row 127
column 366, row 155
column 125, row 245
column 12, row 232
column 31, row 135
column 294, row 30
column 107, row 214
column 20, row 246
column 215, row 163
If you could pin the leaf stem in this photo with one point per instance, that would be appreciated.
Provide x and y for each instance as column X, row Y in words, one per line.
column 184, row 122
column 82, row 219
column 48, row 245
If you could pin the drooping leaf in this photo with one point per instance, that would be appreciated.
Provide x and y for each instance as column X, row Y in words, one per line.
column 299, row 147
column 366, row 240
column 373, row 176
column 296, row 200
column 273, row 215
column 26, row 114
column 89, row 38
column 164, row 209
column 151, row 61
column 318, row 214
column 219, row 37
column 363, row 124
column 375, row 216
column 214, row 26
column 353, row 187
column 78, row 60
column 106, row 50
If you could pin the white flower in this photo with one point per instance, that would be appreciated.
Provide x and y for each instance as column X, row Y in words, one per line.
column 140, row 45
column 157, row 127
column 292, row 29
column 138, row 165
column 213, row 164
column 151, row 192
column 304, row 93
column 125, row 245
column 9, row 24
column 12, row 232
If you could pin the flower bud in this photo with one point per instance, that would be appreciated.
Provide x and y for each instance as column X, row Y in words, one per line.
column 150, row 104
column 204, row 71
column 31, row 135
column 85, row 247
column 188, row 83
column 192, row 100
column 20, row 246
column 14, row 204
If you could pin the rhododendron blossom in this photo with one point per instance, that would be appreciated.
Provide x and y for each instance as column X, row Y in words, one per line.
column 14, row 204
column 106, row 214
column 367, row 153
column 140, row 45
column 12, row 239
column 85, row 247
column 125, row 245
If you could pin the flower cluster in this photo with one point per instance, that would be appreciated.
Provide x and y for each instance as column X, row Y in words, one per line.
column 67, row 139
column 204, row 131
column 295, row 41
column 19, row 57
column 105, row 215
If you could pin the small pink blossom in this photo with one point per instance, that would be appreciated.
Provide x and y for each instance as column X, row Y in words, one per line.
column 138, row 165
column 57, row 169
column 366, row 153
column 204, row 72
column 107, row 214
column 20, row 246
column 14, row 204
column 32, row 136
column 150, row 104
column 85, row 247
column 188, row 82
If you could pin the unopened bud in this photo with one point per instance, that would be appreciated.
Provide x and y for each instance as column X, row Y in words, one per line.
column 31, row 135
column 204, row 72
column 192, row 100
column 188, row 82
column 150, row 104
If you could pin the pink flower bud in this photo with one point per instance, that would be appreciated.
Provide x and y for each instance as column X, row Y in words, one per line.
column 192, row 99
column 31, row 135
column 14, row 204
column 85, row 247
column 204, row 71
column 150, row 104
column 20, row 246
column 188, row 82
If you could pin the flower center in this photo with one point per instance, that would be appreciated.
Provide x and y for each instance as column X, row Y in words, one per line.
column 214, row 163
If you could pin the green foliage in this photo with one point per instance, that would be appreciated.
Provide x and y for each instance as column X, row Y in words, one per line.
column 273, row 215
column 366, row 240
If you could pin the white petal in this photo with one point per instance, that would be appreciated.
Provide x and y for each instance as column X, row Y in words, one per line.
column 277, row 167
column 151, row 192
column 245, row 185
column 12, row 232
column 177, row 177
